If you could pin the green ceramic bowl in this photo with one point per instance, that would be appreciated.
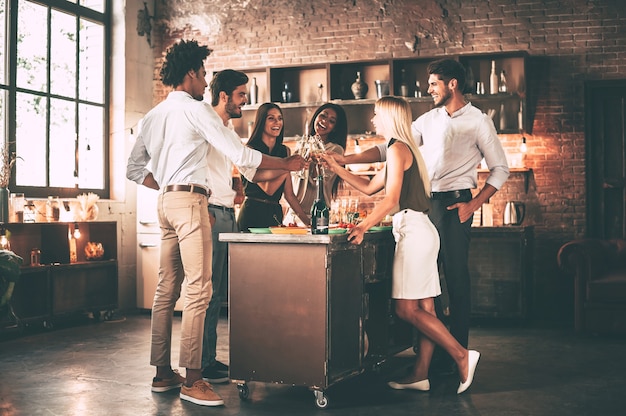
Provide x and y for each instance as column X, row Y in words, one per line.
column 381, row 228
column 260, row 230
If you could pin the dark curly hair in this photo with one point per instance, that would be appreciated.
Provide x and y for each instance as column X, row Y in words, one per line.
column 182, row 57
column 339, row 135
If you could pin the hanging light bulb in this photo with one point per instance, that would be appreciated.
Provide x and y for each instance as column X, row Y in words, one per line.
column 76, row 231
column 4, row 240
column 522, row 147
column 71, row 236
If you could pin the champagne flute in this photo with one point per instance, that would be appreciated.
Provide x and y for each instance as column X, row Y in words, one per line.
column 302, row 148
column 317, row 150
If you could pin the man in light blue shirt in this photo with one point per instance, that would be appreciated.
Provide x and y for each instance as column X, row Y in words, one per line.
column 453, row 138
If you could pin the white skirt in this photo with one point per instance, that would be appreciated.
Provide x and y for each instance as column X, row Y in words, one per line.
column 415, row 273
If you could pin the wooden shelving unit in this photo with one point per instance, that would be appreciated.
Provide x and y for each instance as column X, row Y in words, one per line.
column 58, row 287
column 337, row 78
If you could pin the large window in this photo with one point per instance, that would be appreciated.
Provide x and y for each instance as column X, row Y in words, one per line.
column 53, row 95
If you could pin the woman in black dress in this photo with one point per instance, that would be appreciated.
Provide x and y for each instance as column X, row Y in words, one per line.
column 261, row 207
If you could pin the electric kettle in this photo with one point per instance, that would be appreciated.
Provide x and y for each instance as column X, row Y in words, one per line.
column 514, row 212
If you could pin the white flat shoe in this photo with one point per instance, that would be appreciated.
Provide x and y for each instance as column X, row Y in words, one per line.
column 422, row 385
column 474, row 356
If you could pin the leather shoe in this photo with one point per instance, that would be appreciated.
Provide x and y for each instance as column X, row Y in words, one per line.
column 422, row 385
column 474, row 356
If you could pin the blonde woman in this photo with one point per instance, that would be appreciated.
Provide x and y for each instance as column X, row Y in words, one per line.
column 415, row 275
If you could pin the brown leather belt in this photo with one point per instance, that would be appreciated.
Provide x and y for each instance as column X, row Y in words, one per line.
column 197, row 189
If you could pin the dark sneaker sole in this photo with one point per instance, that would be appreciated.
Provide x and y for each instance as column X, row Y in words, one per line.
column 216, row 380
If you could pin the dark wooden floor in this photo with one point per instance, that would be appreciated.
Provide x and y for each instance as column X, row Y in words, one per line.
column 102, row 369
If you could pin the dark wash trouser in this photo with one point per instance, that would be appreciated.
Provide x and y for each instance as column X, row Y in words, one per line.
column 224, row 223
column 453, row 257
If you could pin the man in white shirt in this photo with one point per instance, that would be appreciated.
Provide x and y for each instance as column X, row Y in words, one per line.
column 453, row 138
column 175, row 138
column 228, row 95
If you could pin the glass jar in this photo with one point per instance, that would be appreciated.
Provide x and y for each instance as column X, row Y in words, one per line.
column 17, row 204
column 35, row 257
column 30, row 212
column 53, row 209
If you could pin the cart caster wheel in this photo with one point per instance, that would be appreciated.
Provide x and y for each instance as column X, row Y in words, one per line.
column 48, row 325
column 321, row 400
column 244, row 392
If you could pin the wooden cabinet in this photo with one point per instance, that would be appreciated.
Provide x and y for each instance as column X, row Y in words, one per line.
column 312, row 85
column 500, row 262
column 57, row 287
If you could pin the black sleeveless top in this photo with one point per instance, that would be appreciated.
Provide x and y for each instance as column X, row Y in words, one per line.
column 412, row 195
column 251, row 189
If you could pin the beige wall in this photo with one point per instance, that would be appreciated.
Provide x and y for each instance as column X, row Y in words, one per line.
column 132, row 68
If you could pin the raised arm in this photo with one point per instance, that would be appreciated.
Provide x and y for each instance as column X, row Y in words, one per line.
column 292, row 200
column 361, row 183
column 273, row 176
column 370, row 155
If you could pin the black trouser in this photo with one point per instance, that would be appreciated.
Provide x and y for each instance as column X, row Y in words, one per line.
column 453, row 258
column 259, row 214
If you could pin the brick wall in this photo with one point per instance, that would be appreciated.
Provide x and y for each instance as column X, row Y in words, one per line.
column 570, row 41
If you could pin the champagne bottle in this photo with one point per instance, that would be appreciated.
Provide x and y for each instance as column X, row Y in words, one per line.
column 404, row 87
column 493, row 79
column 502, row 118
column 254, row 91
column 320, row 214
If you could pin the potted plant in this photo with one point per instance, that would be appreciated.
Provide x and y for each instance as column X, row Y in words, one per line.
column 9, row 275
column 7, row 160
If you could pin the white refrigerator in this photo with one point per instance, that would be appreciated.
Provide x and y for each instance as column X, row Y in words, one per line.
column 148, row 250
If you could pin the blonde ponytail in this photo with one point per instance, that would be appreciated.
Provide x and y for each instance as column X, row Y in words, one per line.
column 398, row 119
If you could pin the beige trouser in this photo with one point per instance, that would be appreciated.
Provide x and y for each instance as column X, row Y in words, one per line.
column 186, row 248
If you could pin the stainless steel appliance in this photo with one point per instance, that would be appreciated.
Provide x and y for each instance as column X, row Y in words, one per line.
column 318, row 316
column 514, row 213
column 148, row 251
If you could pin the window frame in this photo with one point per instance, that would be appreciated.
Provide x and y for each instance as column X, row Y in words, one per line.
column 11, row 64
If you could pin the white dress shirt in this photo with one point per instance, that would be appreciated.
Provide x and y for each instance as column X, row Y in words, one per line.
column 175, row 139
column 221, row 173
column 453, row 146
